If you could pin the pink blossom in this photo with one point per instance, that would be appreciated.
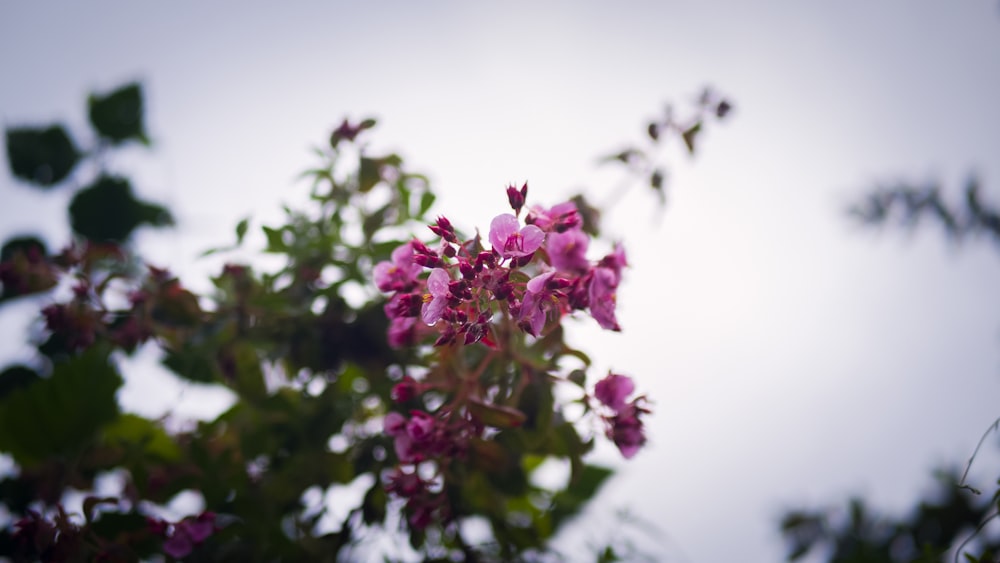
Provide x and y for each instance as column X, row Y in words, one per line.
column 627, row 432
column 394, row 424
column 613, row 389
column 436, row 300
column 400, row 274
column 420, row 426
column 568, row 250
column 402, row 332
column 532, row 312
column 602, row 298
column 615, row 262
column 559, row 218
column 512, row 241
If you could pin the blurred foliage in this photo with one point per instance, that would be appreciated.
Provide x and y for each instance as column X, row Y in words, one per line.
column 909, row 204
column 953, row 518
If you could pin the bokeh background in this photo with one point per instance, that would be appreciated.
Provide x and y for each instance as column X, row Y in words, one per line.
column 793, row 357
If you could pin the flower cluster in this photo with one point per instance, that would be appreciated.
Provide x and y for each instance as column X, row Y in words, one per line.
column 622, row 424
column 509, row 296
column 180, row 538
column 534, row 273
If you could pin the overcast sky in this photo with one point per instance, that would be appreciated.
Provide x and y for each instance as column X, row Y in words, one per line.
column 793, row 357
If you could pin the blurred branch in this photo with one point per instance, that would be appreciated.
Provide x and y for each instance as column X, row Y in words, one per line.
column 907, row 205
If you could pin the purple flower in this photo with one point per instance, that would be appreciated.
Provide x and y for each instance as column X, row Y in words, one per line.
column 536, row 295
column 602, row 298
column 559, row 218
column 568, row 250
column 402, row 332
column 512, row 241
column 400, row 274
column 436, row 300
column 615, row 262
column 613, row 389
column 420, row 426
column 178, row 545
column 627, row 432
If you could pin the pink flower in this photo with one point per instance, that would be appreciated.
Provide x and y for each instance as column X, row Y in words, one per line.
column 394, row 424
column 420, row 426
column 510, row 241
column 613, row 389
column 402, row 332
column 398, row 275
column 627, row 432
column 602, row 298
column 615, row 262
column 188, row 533
column 533, row 310
column 436, row 301
column 568, row 251
column 559, row 218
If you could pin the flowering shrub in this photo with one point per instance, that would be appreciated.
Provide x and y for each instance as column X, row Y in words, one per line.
column 433, row 393
column 494, row 316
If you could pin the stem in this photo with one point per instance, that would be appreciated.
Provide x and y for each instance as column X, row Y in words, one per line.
column 961, row 484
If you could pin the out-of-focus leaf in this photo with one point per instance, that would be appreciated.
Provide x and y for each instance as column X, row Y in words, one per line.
column 135, row 430
column 241, row 229
column 498, row 416
column 653, row 129
column 191, row 364
column 22, row 245
column 117, row 116
column 107, row 210
column 369, row 174
column 275, row 240
column 43, row 157
column 373, row 506
column 16, row 377
column 59, row 415
column 689, row 136
column 426, row 201
column 568, row 502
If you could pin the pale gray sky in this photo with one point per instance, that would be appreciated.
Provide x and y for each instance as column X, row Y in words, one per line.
column 793, row 358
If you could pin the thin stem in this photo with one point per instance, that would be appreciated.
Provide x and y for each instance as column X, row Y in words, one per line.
column 961, row 484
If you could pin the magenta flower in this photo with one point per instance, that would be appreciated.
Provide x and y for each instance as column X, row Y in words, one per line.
column 400, row 274
column 615, row 262
column 420, row 426
column 532, row 314
column 188, row 533
column 613, row 390
column 602, row 298
column 512, row 241
column 559, row 218
column 402, row 332
column 568, row 250
column 436, row 300
column 627, row 432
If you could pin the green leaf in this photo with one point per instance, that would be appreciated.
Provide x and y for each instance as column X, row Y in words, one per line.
column 241, row 229
column 43, row 157
column 61, row 414
column 689, row 136
column 578, row 376
column 369, row 173
column 498, row 416
column 135, row 430
column 107, row 210
column 117, row 116
column 275, row 240
column 16, row 377
column 570, row 501
column 426, row 201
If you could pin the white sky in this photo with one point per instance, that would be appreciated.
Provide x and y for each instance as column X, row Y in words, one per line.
column 793, row 358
